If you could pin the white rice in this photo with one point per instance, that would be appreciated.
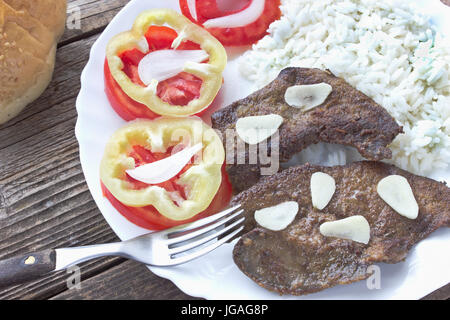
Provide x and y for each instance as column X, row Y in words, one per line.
column 381, row 47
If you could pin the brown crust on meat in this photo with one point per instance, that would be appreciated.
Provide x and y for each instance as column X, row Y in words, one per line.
column 299, row 260
column 347, row 117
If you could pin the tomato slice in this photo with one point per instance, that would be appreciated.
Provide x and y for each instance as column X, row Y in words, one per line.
column 160, row 37
column 149, row 218
column 132, row 57
column 125, row 107
column 208, row 9
column 178, row 90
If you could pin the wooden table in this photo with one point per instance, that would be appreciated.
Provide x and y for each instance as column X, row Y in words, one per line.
column 44, row 200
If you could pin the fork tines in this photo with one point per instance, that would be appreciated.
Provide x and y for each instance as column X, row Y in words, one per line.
column 193, row 240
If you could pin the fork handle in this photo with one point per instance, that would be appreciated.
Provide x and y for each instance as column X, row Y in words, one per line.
column 32, row 266
column 35, row 265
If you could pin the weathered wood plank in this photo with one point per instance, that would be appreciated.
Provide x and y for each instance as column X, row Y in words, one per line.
column 56, row 283
column 440, row 294
column 129, row 280
column 44, row 200
column 56, row 105
column 86, row 17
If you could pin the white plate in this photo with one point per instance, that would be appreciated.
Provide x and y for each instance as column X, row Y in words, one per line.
column 215, row 276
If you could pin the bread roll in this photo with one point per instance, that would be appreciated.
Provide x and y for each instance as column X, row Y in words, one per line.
column 29, row 32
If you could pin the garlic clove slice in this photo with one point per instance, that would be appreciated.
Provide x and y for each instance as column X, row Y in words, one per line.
column 355, row 228
column 307, row 97
column 278, row 217
column 256, row 129
column 322, row 188
column 397, row 193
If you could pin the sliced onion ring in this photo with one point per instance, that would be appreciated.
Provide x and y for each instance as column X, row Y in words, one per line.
column 192, row 8
column 238, row 19
column 165, row 169
column 164, row 64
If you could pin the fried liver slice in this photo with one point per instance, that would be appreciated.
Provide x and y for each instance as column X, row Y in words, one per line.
column 299, row 260
column 347, row 117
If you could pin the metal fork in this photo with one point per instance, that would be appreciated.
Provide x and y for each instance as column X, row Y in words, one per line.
column 163, row 248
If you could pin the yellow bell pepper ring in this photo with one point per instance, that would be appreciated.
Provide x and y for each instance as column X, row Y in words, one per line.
column 210, row 72
column 199, row 181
